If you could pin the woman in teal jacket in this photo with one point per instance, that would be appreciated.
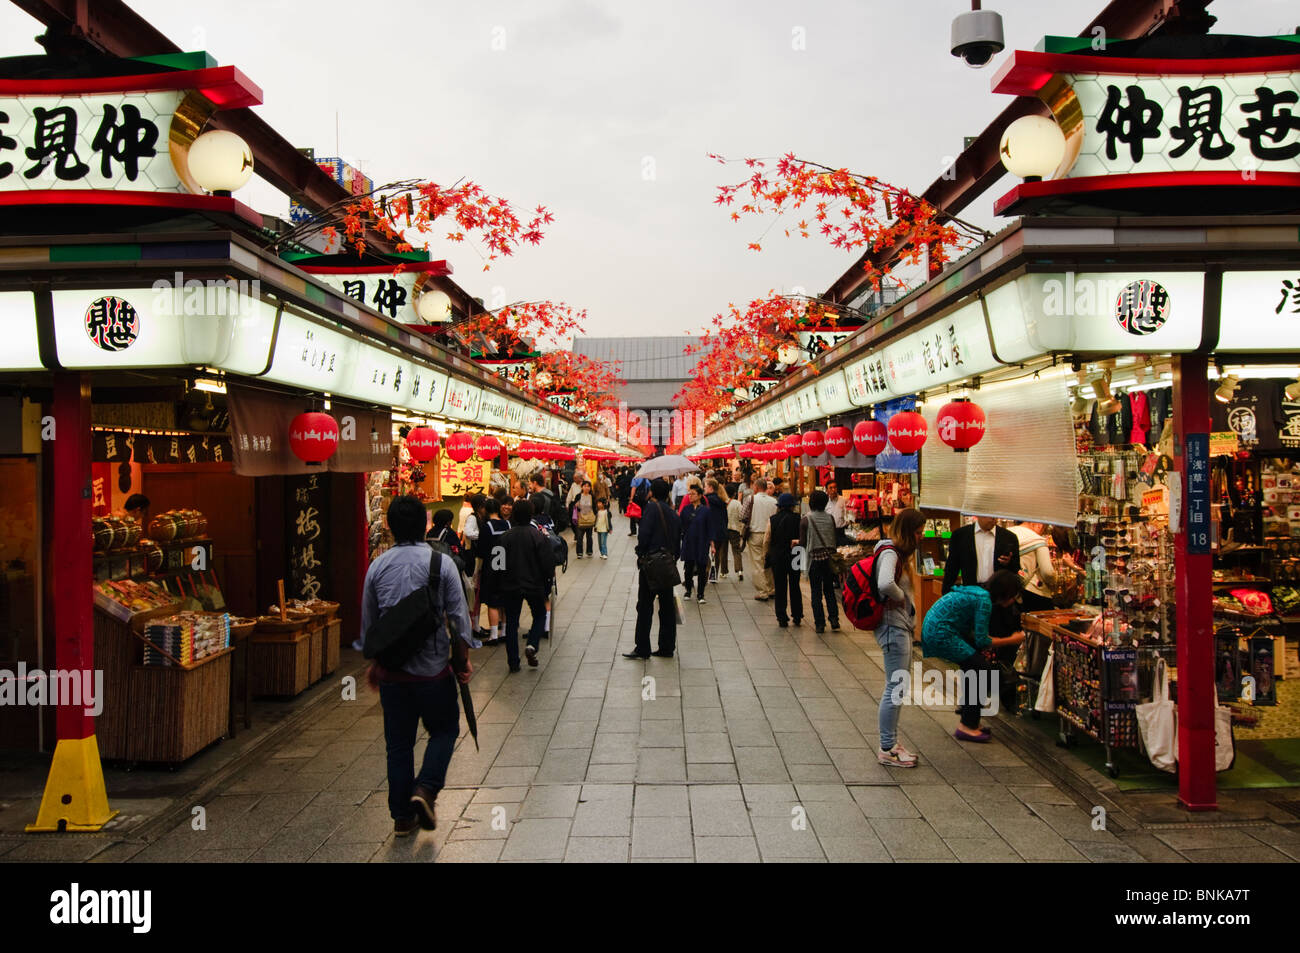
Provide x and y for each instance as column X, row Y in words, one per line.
column 956, row 629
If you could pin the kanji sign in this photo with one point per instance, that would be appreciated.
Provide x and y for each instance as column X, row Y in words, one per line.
column 1197, row 505
column 463, row 479
column 112, row 323
column 307, row 506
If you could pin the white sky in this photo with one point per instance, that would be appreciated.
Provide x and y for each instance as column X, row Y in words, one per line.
column 587, row 93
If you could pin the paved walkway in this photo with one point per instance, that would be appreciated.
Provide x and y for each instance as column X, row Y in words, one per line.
column 754, row 743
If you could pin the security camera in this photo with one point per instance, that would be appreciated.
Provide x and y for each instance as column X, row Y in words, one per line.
column 977, row 37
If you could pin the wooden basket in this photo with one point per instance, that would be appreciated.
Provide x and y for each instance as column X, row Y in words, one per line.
column 272, row 625
column 279, row 664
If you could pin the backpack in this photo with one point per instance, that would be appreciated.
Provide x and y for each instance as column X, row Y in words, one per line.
column 862, row 603
column 559, row 515
column 559, row 546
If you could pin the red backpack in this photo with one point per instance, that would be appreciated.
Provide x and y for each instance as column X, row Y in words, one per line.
column 862, row 603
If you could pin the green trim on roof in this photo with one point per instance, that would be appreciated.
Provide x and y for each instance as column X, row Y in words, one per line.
column 199, row 59
column 73, row 253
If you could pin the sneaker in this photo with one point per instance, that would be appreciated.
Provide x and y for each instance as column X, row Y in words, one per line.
column 689, row 593
column 604, row 556
column 700, row 601
column 405, row 826
column 423, row 800
column 835, row 626
column 530, row 653
column 740, row 576
column 514, row 668
column 897, row 757
column 725, row 575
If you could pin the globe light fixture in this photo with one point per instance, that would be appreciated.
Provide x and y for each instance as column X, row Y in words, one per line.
column 1032, row 147
column 434, row 307
column 542, row 379
column 788, row 354
column 220, row 162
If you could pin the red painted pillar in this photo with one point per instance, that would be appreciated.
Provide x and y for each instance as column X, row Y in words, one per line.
column 71, row 544
column 1195, row 616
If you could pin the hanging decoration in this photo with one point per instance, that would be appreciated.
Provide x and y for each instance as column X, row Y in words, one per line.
column 460, row 447
column 487, row 447
column 869, row 437
column 814, row 443
column 793, row 446
column 422, row 444
column 838, row 441
column 907, row 431
column 960, row 424
column 313, row 437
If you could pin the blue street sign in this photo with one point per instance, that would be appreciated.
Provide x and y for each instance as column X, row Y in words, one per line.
column 1198, row 493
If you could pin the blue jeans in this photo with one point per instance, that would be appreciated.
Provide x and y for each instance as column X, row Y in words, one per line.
column 897, row 646
column 603, row 539
column 406, row 705
column 514, row 609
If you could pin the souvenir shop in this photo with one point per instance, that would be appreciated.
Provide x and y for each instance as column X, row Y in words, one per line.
column 1042, row 384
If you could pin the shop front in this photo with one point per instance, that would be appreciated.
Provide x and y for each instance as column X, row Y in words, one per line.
column 1137, row 394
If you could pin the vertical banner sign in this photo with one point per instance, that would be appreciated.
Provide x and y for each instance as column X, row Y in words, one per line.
column 890, row 460
column 307, row 503
column 1198, row 493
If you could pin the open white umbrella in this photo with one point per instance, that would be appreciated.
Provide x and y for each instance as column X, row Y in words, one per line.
column 671, row 465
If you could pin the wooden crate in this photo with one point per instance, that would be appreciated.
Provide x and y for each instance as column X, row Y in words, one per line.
column 157, row 713
column 279, row 664
column 333, row 635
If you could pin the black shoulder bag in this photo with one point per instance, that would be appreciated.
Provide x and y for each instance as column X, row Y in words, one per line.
column 398, row 635
column 659, row 569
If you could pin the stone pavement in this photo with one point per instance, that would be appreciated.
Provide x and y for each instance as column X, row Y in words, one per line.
column 754, row 744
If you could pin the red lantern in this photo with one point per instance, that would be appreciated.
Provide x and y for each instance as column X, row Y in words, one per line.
column 460, row 447
column 907, row 431
column 487, row 447
column 814, row 443
column 960, row 424
column 313, row 437
column 793, row 446
column 422, row 444
column 838, row 440
column 870, row 437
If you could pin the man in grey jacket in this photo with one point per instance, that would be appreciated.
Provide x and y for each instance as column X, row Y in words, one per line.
column 424, row 689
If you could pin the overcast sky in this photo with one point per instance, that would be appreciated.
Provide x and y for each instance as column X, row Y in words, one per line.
column 604, row 112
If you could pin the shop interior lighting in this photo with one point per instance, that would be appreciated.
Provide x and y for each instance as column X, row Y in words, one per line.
column 1227, row 389
column 1079, row 406
column 211, row 386
column 1292, row 390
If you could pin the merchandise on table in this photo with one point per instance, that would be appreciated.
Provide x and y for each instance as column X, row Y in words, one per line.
column 186, row 637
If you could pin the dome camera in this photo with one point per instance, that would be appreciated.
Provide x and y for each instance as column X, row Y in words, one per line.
column 977, row 37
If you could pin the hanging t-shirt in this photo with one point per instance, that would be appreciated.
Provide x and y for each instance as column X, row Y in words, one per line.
column 1160, row 404
column 1288, row 423
column 1252, row 414
column 1141, row 422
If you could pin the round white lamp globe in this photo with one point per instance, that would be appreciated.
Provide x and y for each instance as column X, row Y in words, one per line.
column 788, row 354
column 434, row 307
column 1032, row 147
column 543, row 379
column 221, row 161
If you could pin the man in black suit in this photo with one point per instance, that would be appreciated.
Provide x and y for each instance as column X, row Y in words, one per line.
column 660, row 529
column 977, row 551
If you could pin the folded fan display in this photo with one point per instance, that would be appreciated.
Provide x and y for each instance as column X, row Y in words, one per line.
column 186, row 637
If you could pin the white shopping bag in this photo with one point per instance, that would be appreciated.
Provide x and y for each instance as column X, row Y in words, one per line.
column 1046, row 700
column 1158, row 724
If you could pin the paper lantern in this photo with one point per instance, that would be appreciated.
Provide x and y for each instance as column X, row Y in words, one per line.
column 460, row 447
column 793, row 445
column 814, row 443
column 870, row 437
column 839, row 441
column 313, row 437
column 960, row 425
column 907, row 431
column 487, row 447
column 422, row 444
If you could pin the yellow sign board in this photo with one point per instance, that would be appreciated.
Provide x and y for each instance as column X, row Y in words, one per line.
column 1224, row 443
column 463, row 479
